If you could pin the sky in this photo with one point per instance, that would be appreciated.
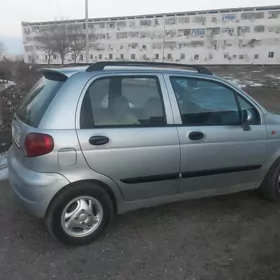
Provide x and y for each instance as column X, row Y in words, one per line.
column 13, row 12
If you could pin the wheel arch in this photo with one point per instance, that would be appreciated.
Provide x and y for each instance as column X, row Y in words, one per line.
column 89, row 181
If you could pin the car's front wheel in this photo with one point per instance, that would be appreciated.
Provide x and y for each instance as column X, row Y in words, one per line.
column 270, row 187
column 79, row 214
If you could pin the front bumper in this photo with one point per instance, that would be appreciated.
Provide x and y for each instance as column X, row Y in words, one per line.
column 34, row 190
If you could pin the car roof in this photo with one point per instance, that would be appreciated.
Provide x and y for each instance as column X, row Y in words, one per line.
column 69, row 71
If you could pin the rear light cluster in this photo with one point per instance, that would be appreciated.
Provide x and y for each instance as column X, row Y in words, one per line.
column 38, row 144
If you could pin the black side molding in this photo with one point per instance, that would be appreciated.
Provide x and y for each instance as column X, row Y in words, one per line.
column 209, row 172
column 189, row 174
column 152, row 178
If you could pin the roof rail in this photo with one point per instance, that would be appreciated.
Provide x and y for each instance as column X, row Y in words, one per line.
column 98, row 66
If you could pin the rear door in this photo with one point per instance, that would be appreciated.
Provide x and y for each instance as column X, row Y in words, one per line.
column 216, row 151
column 125, row 134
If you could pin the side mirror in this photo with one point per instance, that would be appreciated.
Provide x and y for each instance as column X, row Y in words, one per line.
column 246, row 119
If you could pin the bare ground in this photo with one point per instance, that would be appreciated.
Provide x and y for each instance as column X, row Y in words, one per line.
column 229, row 237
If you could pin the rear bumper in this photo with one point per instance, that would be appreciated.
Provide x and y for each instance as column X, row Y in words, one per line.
column 34, row 190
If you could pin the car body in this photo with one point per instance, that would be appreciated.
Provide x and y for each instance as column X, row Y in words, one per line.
column 219, row 141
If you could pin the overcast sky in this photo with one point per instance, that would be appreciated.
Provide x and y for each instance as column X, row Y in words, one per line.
column 12, row 12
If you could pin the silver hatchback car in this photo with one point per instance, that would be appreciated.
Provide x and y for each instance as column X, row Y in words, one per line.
column 90, row 142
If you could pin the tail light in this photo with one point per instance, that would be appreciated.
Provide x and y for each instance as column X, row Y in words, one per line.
column 38, row 144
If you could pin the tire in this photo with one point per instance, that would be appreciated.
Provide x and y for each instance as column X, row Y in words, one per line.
column 270, row 187
column 79, row 194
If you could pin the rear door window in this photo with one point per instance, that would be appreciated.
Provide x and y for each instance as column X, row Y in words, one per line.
column 35, row 104
column 123, row 101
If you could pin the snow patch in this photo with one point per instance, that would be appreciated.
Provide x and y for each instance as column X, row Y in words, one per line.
column 241, row 83
column 273, row 77
column 4, row 86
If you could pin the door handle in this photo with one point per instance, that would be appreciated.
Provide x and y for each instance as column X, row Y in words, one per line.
column 98, row 140
column 196, row 135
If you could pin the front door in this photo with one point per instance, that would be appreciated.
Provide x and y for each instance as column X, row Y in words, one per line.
column 126, row 134
column 216, row 150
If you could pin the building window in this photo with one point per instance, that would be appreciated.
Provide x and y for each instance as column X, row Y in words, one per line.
column 199, row 19
column 196, row 56
column 54, row 56
column 46, row 57
column 133, row 45
column 133, row 34
column 102, row 25
column 121, row 35
column 198, row 32
column 157, row 45
column 213, row 31
column 228, row 30
column 170, row 21
column 91, row 56
column 185, row 32
column 230, row 17
column 214, row 19
column 243, row 29
column 121, row 24
column 81, row 57
column 274, row 14
column 156, row 21
column 121, row 56
column 256, row 56
column 184, row 20
column 241, row 56
column 100, row 56
column 145, row 22
column 252, row 15
column 259, row 28
column 110, row 56
column 156, row 56
column 226, row 55
column 271, row 54
column 112, row 25
column 133, row 56
column 144, row 47
column 169, row 56
column 182, row 56
column 132, row 23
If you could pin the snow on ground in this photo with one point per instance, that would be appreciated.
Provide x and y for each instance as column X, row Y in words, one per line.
column 6, row 85
column 242, row 83
column 4, row 172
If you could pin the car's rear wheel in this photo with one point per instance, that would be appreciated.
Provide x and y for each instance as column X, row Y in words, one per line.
column 270, row 187
column 79, row 214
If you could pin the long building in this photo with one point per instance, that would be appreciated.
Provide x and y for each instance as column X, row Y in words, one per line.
column 226, row 36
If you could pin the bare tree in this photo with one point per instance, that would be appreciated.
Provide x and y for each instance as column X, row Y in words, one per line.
column 78, row 40
column 46, row 41
column 62, row 40
column 2, row 49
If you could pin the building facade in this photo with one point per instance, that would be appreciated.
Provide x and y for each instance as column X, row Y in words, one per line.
column 227, row 36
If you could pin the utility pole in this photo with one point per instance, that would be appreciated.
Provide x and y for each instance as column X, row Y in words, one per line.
column 163, row 38
column 87, row 38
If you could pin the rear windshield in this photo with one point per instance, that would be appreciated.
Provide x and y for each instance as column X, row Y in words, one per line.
column 37, row 101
